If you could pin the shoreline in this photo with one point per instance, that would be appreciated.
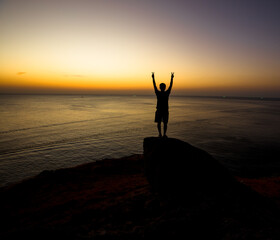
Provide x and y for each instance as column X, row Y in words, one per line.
column 268, row 186
column 249, row 179
column 107, row 199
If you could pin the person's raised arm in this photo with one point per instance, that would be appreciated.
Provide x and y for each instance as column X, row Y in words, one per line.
column 171, row 82
column 154, row 82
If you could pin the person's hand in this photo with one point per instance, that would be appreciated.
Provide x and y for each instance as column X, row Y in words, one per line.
column 172, row 74
column 153, row 75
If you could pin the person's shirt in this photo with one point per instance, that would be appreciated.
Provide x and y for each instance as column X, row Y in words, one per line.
column 162, row 99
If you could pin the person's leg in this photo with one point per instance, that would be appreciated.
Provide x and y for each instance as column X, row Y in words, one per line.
column 164, row 128
column 165, row 121
column 159, row 128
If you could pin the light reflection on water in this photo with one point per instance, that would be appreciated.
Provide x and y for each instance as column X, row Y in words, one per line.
column 40, row 132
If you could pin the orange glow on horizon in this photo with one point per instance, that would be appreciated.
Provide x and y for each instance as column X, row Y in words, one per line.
column 22, row 81
column 115, row 45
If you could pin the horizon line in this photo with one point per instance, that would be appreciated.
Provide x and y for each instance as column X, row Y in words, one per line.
column 141, row 94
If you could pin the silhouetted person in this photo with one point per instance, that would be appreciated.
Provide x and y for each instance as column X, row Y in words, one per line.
column 162, row 113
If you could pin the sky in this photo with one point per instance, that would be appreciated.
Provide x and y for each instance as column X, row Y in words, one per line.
column 112, row 46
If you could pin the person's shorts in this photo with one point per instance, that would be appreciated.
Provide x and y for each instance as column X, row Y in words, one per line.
column 161, row 116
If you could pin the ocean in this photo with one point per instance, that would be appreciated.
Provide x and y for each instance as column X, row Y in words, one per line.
column 47, row 132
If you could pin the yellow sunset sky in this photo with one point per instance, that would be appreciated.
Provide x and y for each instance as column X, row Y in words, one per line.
column 113, row 46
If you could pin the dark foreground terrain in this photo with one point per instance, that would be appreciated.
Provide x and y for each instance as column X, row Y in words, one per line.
column 134, row 198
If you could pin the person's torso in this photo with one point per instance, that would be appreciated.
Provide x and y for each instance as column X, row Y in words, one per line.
column 162, row 101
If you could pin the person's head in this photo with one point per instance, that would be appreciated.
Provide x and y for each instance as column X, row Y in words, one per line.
column 162, row 87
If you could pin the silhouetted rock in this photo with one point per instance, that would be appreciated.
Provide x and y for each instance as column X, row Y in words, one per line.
column 174, row 167
column 112, row 199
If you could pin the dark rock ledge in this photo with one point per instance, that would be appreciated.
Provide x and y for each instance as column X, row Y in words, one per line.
column 173, row 191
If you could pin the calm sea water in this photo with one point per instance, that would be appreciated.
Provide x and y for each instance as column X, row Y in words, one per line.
column 46, row 132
